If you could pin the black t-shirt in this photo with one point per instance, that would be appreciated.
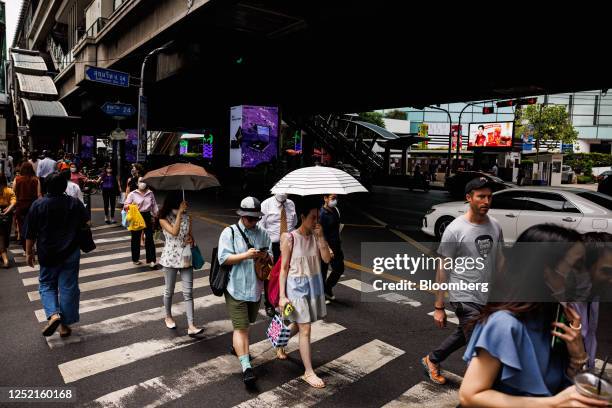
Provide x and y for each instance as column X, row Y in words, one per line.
column 54, row 222
column 330, row 221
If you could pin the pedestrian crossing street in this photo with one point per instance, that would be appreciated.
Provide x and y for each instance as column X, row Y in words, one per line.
column 116, row 300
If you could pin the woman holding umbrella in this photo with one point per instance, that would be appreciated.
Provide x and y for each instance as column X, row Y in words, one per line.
column 144, row 198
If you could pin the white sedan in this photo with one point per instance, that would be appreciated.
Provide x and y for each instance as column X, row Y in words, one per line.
column 520, row 208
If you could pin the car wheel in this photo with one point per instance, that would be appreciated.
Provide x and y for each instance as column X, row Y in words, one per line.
column 441, row 225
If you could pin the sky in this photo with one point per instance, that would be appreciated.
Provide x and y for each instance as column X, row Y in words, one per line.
column 12, row 13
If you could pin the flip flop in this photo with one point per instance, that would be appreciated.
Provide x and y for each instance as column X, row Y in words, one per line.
column 309, row 379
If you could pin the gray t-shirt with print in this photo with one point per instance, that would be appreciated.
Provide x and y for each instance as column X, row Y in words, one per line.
column 462, row 239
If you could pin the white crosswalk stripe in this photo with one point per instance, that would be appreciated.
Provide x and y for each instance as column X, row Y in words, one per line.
column 85, row 260
column 96, row 304
column 99, row 270
column 98, row 363
column 110, row 282
column 129, row 321
column 116, row 239
column 105, row 227
column 450, row 316
column 337, row 374
column 163, row 389
column 426, row 394
column 390, row 297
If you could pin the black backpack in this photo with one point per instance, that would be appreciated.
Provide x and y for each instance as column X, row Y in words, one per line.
column 219, row 274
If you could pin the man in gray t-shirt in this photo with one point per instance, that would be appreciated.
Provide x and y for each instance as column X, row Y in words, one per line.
column 472, row 243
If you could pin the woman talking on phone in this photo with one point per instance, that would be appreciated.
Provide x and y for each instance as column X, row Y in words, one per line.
column 526, row 348
column 301, row 282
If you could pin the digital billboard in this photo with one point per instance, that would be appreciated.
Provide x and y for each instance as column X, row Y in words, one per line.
column 492, row 135
column 88, row 147
column 131, row 145
column 253, row 135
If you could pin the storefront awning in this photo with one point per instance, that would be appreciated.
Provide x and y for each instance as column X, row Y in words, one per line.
column 28, row 62
column 48, row 109
column 40, row 84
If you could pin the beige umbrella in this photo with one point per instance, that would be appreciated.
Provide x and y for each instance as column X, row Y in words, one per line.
column 181, row 176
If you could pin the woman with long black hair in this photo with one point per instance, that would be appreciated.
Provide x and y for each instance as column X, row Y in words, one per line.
column 520, row 353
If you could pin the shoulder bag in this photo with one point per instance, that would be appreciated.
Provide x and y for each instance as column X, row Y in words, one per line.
column 219, row 274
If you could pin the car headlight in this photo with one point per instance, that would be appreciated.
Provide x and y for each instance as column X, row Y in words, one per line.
column 430, row 211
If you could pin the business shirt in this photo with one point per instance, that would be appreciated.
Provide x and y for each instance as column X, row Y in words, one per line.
column 46, row 166
column 243, row 283
column 271, row 220
column 73, row 190
column 145, row 201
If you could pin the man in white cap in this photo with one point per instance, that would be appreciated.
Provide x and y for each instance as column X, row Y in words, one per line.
column 239, row 246
column 278, row 217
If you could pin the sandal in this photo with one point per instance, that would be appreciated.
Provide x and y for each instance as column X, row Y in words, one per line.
column 311, row 379
column 280, row 353
column 65, row 331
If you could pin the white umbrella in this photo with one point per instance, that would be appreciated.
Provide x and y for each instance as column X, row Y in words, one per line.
column 318, row 180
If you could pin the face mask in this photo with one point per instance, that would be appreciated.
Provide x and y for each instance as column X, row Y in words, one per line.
column 281, row 198
column 142, row 186
column 174, row 212
column 109, row 172
column 73, row 170
column 332, row 204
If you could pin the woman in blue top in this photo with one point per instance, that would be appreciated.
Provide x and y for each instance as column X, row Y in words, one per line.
column 511, row 361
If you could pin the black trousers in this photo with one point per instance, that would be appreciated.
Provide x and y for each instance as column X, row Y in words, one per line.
column 465, row 313
column 109, row 196
column 149, row 243
column 337, row 264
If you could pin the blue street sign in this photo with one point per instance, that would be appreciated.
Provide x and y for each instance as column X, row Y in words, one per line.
column 107, row 76
column 118, row 109
column 567, row 148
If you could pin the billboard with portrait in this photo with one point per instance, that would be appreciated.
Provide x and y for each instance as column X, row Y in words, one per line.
column 88, row 147
column 492, row 135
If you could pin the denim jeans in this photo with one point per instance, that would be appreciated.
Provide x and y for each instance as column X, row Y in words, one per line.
column 59, row 288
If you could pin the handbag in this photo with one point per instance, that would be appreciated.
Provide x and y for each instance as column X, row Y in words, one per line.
column 197, row 260
column 274, row 279
column 124, row 218
column 134, row 219
column 219, row 274
column 86, row 241
column 278, row 332
column 262, row 265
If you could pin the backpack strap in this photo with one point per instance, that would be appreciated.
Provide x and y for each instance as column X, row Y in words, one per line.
column 246, row 240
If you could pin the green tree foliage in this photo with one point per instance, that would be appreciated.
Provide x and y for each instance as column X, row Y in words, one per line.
column 375, row 118
column 396, row 114
column 584, row 162
column 549, row 124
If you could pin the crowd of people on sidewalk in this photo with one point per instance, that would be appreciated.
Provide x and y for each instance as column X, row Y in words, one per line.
column 510, row 360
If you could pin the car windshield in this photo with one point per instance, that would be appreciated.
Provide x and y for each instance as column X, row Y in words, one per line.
column 598, row 198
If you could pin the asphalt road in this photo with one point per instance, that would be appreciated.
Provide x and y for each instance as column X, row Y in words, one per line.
column 121, row 354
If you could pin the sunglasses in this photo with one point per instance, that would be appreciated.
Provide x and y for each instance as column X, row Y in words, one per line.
column 253, row 219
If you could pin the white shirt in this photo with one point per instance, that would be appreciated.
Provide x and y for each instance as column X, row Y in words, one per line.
column 270, row 221
column 73, row 190
column 46, row 166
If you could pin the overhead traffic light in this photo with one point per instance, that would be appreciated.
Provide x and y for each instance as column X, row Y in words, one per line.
column 517, row 102
column 487, row 110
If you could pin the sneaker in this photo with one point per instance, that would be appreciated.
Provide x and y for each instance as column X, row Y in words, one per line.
column 329, row 294
column 433, row 371
column 248, row 376
column 152, row 265
column 107, row 222
column 113, row 221
column 137, row 263
column 327, row 302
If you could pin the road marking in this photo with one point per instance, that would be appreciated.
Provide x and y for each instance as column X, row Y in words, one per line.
column 211, row 220
column 103, row 227
column 390, row 297
column 363, row 226
column 337, row 374
column 450, row 316
column 106, row 240
column 110, row 282
column 92, row 305
column 118, row 231
column 84, row 367
column 124, row 266
column 85, row 261
column 163, row 389
column 130, row 321
column 426, row 394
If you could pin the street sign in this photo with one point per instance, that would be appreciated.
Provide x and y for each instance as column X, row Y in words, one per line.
column 567, row 148
column 122, row 110
column 107, row 76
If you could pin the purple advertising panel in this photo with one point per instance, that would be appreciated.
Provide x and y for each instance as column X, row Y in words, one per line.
column 88, row 147
column 253, row 135
column 131, row 145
